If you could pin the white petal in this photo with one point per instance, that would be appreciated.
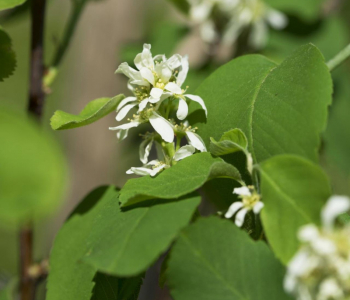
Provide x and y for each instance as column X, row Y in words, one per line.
column 143, row 104
column 122, row 134
column 174, row 61
column 277, row 19
column 156, row 93
column 148, row 75
column 144, row 59
column 135, row 76
column 163, row 72
column 201, row 12
column 163, row 127
column 239, row 220
column 335, row 206
column 139, row 171
column 181, row 77
column 125, row 126
column 152, row 163
column 258, row 35
column 233, row 30
column 124, row 111
column 308, row 233
column 242, row 191
column 198, row 100
column 182, row 110
column 125, row 101
column 208, row 32
column 234, row 207
column 196, row 141
column 144, row 150
column 155, row 171
column 174, row 88
column 258, row 207
column 184, row 152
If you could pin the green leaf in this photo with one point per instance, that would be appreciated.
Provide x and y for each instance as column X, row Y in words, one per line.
column 33, row 170
column 306, row 9
column 213, row 259
column 92, row 112
column 294, row 190
column 182, row 5
column 281, row 109
column 9, row 291
column 231, row 142
column 183, row 178
column 7, row 55
column 6, row 4
column 109, row 287
column 69, row 277
column 127, row 243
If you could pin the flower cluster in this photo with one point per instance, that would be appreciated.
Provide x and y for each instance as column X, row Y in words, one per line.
column 157, row 90
column 229, row 18
column 321, row 268
column 250, row 202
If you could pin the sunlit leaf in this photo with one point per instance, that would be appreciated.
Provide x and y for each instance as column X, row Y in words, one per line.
column 6, row 4
column 231, row 142
column 92, row 112
column 294, row 190
column 281, row 109
column 213, row 259
column 183, row 178
column 127, row 243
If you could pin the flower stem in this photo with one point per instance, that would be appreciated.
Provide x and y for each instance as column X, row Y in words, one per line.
column 341, row 57
column 178, row 143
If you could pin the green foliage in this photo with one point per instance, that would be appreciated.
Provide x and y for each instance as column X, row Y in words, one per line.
column 109, row 287
column 281, row 109
column 69, row 277
column 7, row 55
column 183, row 178
column 213, row 259
column 6, row 4
column 127, row 243
column 294, row 190
column 231, row 142
column 91, row 113
column 8, row 292
column 307, row 9
column 33, row 170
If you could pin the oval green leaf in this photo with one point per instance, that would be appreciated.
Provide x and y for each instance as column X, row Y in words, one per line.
column 92, row 112
column 281, row 109
column 127, row 243
column 183, row 178
column 294, row 190
column 213, row 259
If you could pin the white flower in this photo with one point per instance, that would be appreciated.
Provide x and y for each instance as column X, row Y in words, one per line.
column 196, row 141
column 155, row 166
column 241, row 14
column 163, row 127
column 335, row 206
column 320, row 270
column 176, row 91
column 250, row 202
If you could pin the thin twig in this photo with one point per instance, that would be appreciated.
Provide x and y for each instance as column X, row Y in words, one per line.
column 35, row 107
column 341, row 57
column 36, row 93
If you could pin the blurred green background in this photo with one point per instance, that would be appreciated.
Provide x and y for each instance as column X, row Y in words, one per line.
column 111, row 31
